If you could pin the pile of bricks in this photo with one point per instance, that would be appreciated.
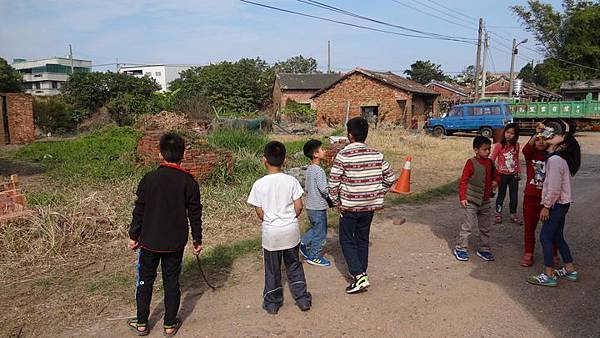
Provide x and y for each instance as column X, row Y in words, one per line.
column 12, row 201
column 332, row 151
column 200, row 159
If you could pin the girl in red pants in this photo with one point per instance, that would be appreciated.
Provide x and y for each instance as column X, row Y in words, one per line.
column 535, row 152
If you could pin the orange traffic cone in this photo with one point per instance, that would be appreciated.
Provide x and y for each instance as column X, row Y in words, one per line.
column 402, row 185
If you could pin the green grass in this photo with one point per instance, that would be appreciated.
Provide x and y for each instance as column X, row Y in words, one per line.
column 238, row 140
column 104, row 155
column 108, row 283
column 426, row 196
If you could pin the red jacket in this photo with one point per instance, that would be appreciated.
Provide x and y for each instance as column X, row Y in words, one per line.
column 535, row 163
column 468, row 172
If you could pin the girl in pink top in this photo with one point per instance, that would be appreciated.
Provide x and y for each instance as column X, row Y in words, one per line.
column 564, row 161
column 506, row 156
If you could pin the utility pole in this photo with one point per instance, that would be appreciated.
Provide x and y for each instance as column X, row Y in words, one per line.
column 118, row 65
column 514, row 53
column 478, row 62
column 71, row 57
column 328, row 56
column 483, row 72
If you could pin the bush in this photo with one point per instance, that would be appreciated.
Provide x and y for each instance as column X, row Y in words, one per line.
column 53, row 114
column 194, row 105
column 297, row 112
column 238, row 140
column 124, row 108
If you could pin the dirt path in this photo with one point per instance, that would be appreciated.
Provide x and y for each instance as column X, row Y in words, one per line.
column 418, row 289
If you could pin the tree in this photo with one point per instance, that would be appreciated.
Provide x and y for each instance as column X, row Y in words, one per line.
column 90, row 91
column 527, row 73
column 296, row 64
column 240, row 86
column 10, row 80
column 567, row 39
column 425, row 71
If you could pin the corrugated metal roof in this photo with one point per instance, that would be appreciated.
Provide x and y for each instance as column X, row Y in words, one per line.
column 580, row 85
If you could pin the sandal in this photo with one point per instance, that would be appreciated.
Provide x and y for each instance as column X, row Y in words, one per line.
column 175, row 327
column 134, row 326
column 515, row 219
column 498, row 218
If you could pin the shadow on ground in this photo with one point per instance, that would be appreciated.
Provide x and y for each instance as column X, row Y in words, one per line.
column 571, row 309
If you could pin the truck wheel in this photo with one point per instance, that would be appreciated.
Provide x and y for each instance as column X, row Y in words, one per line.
column 557, row 126
column 486, row 132
column 438, row 131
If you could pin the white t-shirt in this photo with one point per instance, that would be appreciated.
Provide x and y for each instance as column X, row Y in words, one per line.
column 275, row 194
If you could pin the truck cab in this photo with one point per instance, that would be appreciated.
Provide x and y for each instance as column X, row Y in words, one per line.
column 482, row 117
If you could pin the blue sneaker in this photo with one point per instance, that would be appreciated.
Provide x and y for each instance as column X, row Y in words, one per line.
column 303, row 250
column 461, row 255
column 485, row 255
column 319, row 261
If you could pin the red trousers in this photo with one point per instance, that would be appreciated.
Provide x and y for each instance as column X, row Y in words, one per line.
column 531, row 217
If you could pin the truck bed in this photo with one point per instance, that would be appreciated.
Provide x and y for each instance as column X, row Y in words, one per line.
column 559, row 109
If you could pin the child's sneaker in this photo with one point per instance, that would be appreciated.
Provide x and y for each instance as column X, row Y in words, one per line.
column 319, row 261
column 485, row 255
column 303, row 250
column 543, row 280
column 271, row 309
column 360, row 282
column 461, row 255
column 573, row 276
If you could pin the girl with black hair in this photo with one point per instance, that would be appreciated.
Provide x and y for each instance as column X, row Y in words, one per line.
column 563, row 161
column 506, row 156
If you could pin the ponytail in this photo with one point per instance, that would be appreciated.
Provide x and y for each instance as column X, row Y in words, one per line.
column 570, row 151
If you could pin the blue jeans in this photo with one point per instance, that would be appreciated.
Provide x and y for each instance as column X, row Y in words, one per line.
column 552, row 232
column 314, row 238
column 354, row 240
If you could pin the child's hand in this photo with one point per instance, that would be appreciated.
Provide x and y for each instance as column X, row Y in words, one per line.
column 464, row 203
column 133, row 245
column 544, row 214
column 196, row 248
column 539, row 127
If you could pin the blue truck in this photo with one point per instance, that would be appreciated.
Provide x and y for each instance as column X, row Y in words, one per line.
column 484, row 117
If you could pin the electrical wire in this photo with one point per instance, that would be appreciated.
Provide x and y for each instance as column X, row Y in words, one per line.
column 348, row 13
column 432, row 15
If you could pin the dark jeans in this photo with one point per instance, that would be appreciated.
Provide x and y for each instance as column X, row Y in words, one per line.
column 510, row 182
column 354, row 240
column 273, row 292
column 171, row 268
column 315, row 237
column 552, row 233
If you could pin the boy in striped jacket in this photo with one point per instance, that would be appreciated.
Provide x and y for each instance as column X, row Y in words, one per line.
column 358, row 182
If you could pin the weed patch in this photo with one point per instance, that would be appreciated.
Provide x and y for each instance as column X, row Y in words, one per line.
column 238, row 140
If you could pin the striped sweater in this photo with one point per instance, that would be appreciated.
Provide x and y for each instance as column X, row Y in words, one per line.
column 359, row 179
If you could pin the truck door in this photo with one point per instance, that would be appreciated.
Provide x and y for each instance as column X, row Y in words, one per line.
column 453, row 120
column 470, row 121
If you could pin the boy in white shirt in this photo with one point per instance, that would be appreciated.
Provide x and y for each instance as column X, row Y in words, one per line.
column 277, row 199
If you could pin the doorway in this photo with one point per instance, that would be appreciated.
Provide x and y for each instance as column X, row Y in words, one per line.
column 4, row 120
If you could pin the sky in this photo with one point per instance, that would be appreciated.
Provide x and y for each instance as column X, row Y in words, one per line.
column 205, row 31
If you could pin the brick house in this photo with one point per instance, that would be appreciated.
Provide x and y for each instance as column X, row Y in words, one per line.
column 299, row 87
column 578, row 90
column 382, row 97
column 16, row 118
column 450, row 94
column 530, row 92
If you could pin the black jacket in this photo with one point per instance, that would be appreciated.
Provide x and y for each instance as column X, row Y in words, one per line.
column 166, row 199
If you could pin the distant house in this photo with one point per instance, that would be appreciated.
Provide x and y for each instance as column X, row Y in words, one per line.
column 529, row 93
column 448, row 91
column 162, row 74
column 383, row 97
column 299, row 87
column 578, row 90
column 46, row 77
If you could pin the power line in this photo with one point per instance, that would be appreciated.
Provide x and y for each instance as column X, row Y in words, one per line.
column 468, row 22
column 351, row 24
column 348, row 13
column 433, row 15
column 453, row 10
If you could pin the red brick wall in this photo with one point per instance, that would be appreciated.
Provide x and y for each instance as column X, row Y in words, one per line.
column 498, row 88
column 200, row 159
column 360, row 90
column 21, row 128
column 12, row 201
column 331, row 152
column 445, row 93
column 280, row 96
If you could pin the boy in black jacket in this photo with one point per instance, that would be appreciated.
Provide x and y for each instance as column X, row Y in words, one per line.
column 167, row 198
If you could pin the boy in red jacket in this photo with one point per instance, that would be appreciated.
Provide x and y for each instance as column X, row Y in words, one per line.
column 479, row 179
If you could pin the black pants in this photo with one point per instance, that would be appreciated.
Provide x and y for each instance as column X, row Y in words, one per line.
column 354, row 240
column 510, row 182
column 273, row 293
column 171, row 268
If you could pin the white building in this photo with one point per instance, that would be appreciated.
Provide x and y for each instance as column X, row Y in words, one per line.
column 47, row 76
column 163, row 74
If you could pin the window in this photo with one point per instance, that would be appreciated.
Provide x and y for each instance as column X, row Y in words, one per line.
column 148, row 73
column 370, row 113
column 455, row 111
column 469, row 111
column 54, row 85
column 157, row 73
column 36, row 85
